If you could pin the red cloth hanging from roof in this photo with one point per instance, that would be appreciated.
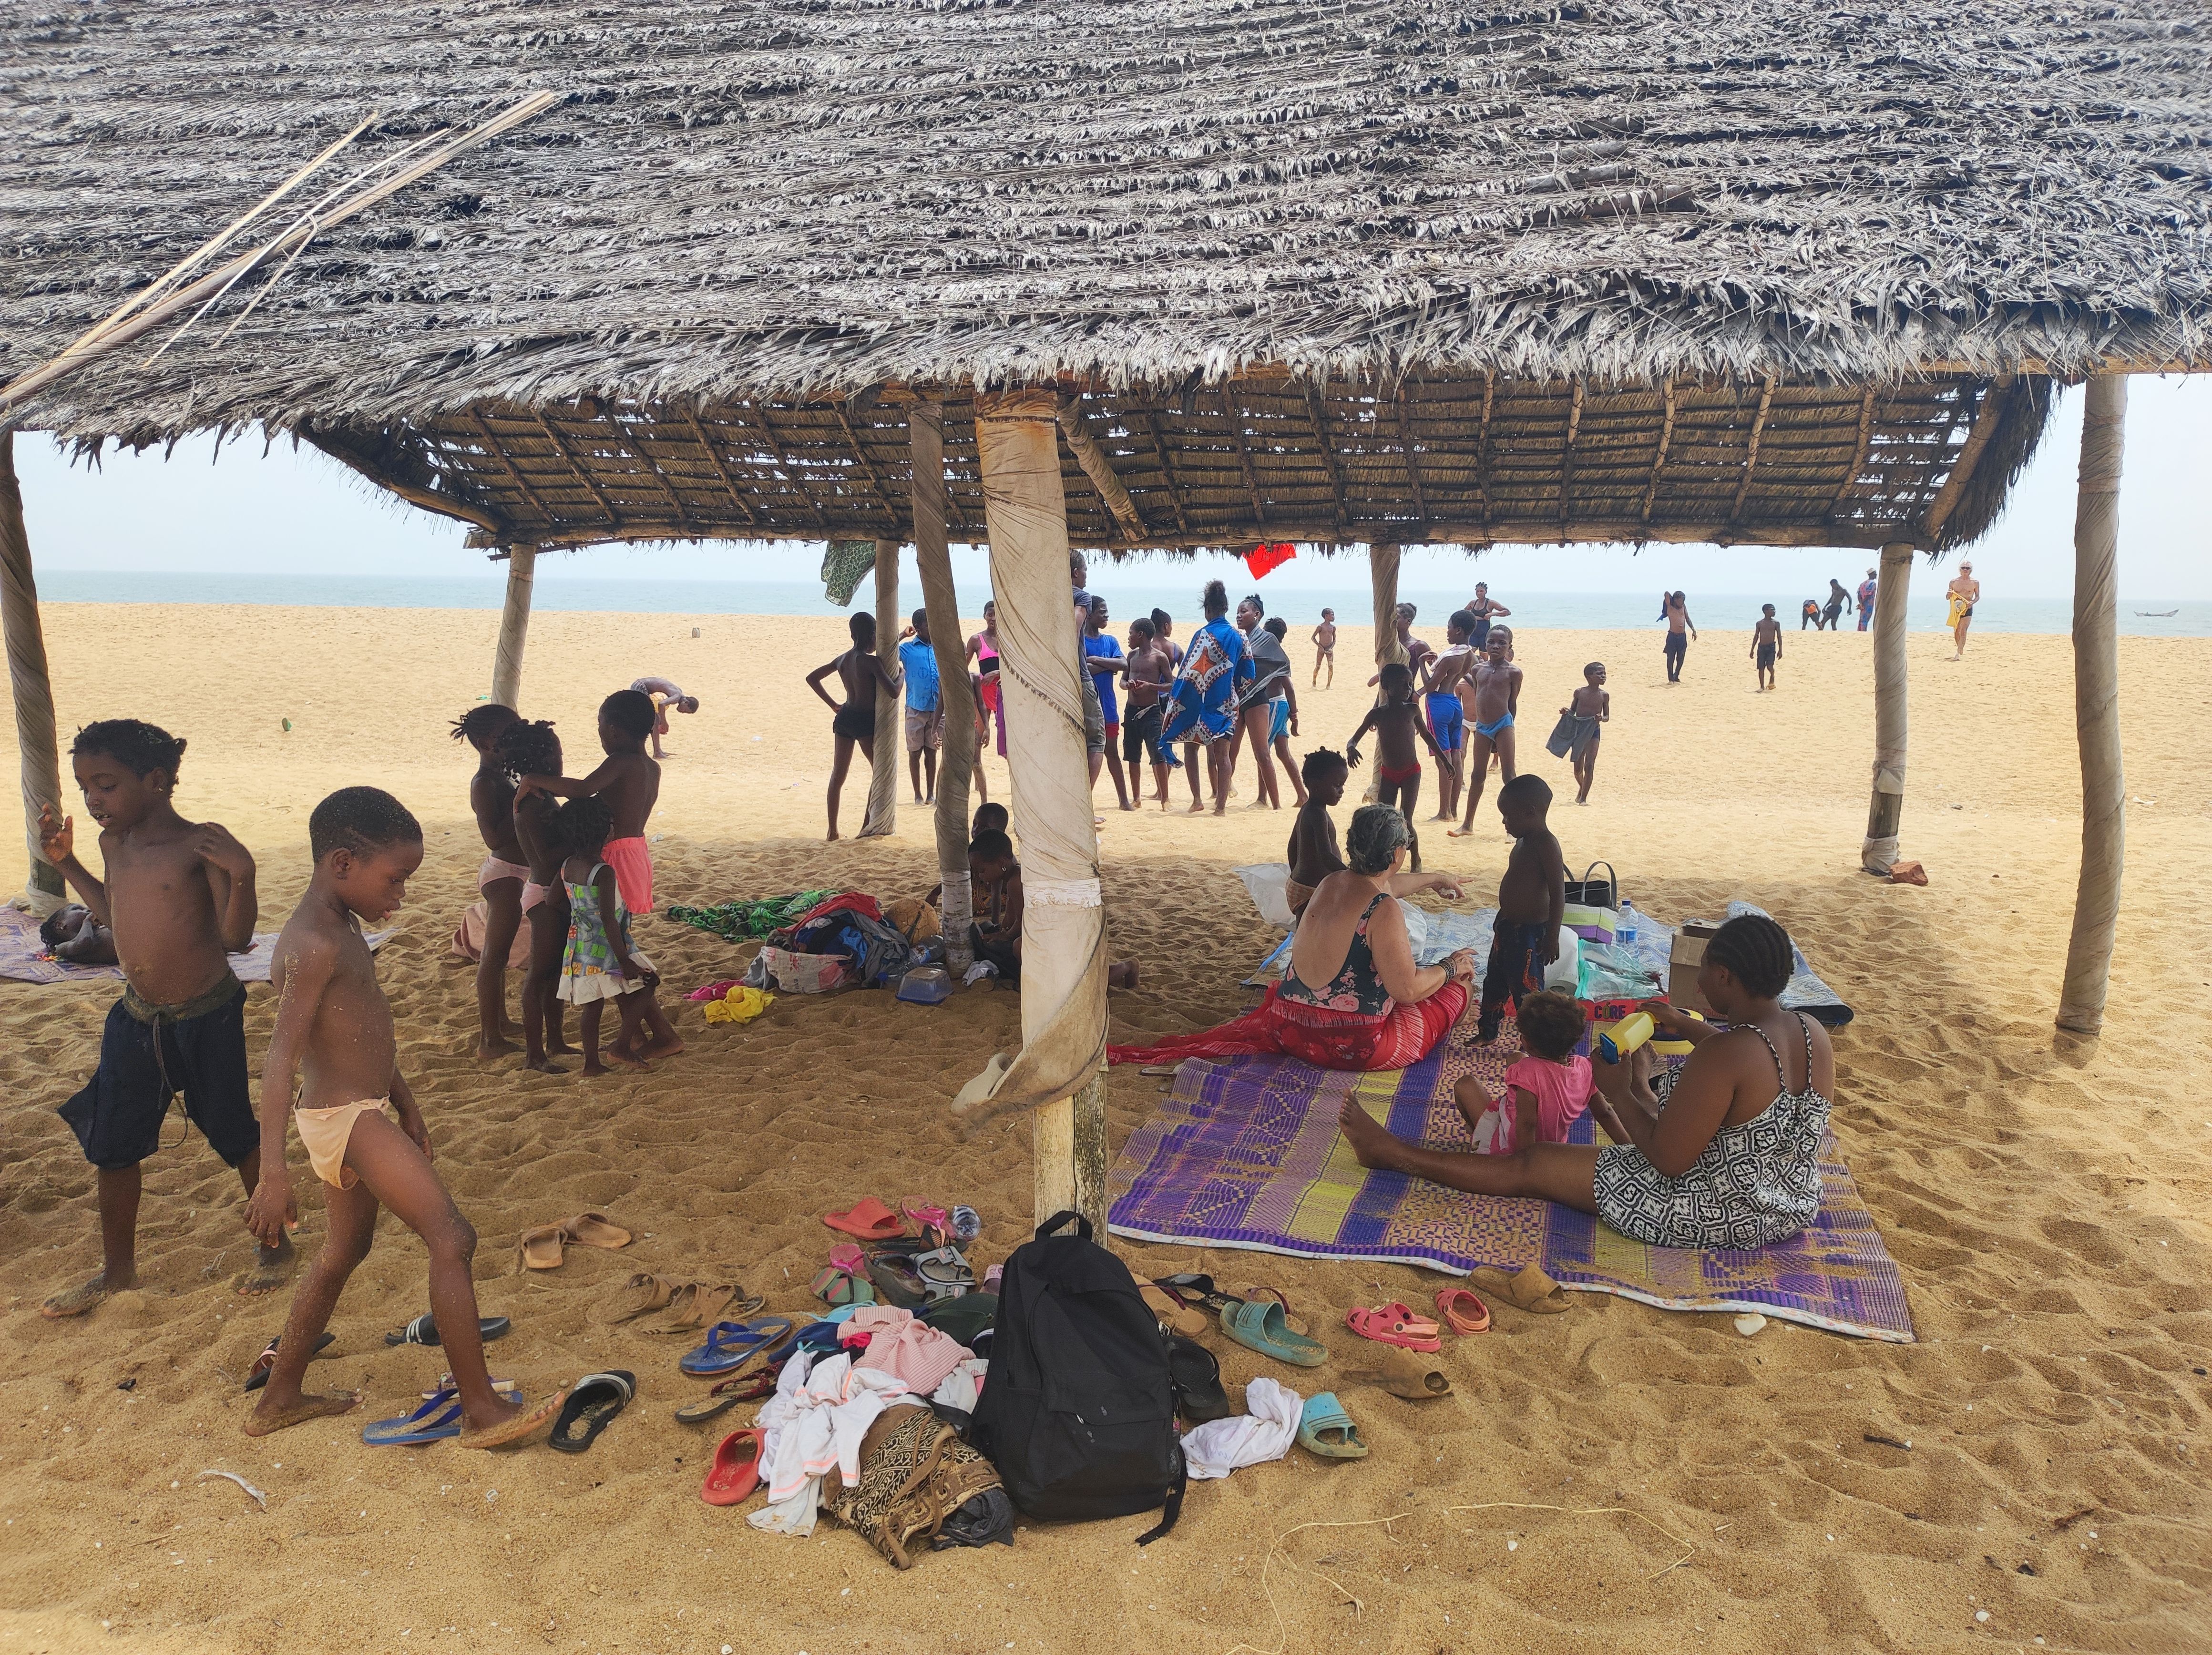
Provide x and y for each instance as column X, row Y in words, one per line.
column 1263, row 559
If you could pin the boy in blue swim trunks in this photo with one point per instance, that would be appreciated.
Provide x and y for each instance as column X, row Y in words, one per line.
column 1491, row 696
column 1445, row 673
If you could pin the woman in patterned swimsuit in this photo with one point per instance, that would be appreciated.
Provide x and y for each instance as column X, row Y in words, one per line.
column 1726, row 1154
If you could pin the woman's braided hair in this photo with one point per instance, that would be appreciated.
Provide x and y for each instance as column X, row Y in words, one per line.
column 1757, row 953
column 1376, row 832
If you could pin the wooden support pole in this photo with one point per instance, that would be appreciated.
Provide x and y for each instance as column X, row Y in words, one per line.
column 36, row 734
column 1063, row 928
column 1887, row 811
column 2097, row 706
column 513, row 626
column 956, row 763
column 890, row 746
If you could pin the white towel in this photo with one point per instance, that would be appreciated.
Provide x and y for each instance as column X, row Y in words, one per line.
column 815, row 1420
column 1220, row 1447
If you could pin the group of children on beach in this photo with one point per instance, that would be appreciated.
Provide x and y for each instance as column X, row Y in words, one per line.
column 180, row 898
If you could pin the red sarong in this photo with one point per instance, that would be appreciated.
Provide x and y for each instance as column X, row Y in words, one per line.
column 1396, row 1038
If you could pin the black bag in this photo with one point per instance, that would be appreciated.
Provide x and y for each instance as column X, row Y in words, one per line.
column 1079, row 1412
column 1595, row 893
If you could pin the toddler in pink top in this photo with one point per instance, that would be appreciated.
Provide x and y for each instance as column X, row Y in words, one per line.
column 1546, row 1091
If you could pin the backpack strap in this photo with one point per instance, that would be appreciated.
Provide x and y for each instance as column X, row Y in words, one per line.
column 1060, row 1220
column 1172, row 1509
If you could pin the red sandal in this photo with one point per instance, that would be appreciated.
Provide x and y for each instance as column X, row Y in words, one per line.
column 1395, row 1324
column 1462, row 1311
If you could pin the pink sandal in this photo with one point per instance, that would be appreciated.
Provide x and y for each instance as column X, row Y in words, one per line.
column 1395, row 1324
column 1462, row 1311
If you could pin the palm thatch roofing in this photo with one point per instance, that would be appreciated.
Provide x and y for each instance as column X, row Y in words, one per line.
column 1392, row 270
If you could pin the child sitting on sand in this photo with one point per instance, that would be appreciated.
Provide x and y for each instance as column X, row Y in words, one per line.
column 179, row 896
column 1397, row 765
column 989, row 819
column 334, row 1028
column 529, row 747
column 599, row 963
column 995, row 879
column 1546, row 1091
column 1314, row 852
column 630, row 784
column 1532, row 899
column 501, row 879
column 73, row 936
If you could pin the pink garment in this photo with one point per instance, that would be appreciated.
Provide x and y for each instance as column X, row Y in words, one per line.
column 495, row 869
column 633, row 866
column 912, row 1351
column 1562, row 1091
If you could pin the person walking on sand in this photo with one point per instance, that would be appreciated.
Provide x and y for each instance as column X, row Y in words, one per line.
column 1964, row 593
column 180, row 898
column 665, row 693
column 1766, row 645
column 1867, row 588
column 861, row 672
column 334, row 1029
column 504, row 872
column 1324, row 643
column 1675, row 612
column 1492, row 697
column 1580, row 727
column 924, row 706
column 1839, row 600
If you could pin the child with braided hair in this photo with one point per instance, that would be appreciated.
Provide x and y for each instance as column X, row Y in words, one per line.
column 1724, row 1153
column 491, row 798
column 528, row 747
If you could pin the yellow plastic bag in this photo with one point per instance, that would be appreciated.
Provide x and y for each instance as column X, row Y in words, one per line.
column 741, row 1005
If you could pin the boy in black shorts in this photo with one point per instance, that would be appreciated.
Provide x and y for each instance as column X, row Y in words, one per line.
column 180, row 897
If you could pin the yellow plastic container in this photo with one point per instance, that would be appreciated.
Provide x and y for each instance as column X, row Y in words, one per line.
column 1624, row 1036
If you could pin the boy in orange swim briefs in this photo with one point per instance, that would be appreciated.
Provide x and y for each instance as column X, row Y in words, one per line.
column 334, row 1028
column 631, row 782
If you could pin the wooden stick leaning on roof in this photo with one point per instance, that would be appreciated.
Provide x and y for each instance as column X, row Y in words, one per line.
column 106, row 338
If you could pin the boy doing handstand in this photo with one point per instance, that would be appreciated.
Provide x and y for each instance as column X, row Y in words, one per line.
column 334, row 1028
column 1395, row 723
column 180, row 897
column 1532, row 899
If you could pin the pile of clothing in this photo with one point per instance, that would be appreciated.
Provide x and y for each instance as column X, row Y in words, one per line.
column 842, row 941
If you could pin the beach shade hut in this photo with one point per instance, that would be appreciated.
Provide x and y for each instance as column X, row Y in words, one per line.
column 1129, row 279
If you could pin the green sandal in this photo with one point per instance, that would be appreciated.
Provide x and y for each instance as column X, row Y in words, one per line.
column 1259, row 1325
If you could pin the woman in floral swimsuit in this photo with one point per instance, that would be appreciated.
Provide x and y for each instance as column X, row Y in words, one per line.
column 1726, row 1155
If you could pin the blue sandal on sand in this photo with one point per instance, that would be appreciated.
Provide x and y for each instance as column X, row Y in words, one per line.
column 1326, row 1429
column 1259, row 1325
column 436, row 1420
column 731, row 1345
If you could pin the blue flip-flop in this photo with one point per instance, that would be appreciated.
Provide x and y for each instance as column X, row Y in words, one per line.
column 1259, row 1325
column 1326, row 1429
column 731, row 1345
column 823, row 1338
column 435, row 1421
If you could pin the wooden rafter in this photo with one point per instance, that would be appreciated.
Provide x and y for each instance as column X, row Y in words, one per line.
column 1316, row 412
column 1859, row 451
column 861, row 456
column 1567, row 456
column 385, row 463
column 1995, row 401
column 1482, row 449
column 498, row 451
column 1666, row 441
column 1751, row 450
column 1243, row 456
column 785, row 470
column 1167, row 470
column 583, row 473
column 714, row 459
column 1098, row 466
column 1406, row 450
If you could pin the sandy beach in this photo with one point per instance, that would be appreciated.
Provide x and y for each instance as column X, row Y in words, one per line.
column 1617, row 1476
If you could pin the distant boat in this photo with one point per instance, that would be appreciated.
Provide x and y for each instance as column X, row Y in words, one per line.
column 2157, row 615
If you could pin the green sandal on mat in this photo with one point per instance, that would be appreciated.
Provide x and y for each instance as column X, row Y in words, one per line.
column 1326, row 1429
column 1259, row 1325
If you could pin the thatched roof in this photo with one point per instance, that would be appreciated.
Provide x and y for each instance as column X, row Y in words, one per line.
column 771, row 203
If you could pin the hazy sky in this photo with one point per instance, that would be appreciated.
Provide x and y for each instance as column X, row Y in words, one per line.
column 301, row 513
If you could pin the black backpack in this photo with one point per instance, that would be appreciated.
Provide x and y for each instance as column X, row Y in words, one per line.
column 1078, row 1411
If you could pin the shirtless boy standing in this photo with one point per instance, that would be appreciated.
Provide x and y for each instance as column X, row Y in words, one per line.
column 1492, row 694
column 180, row 897
column 1766, row 645
column 334, row 1028
column 1584, row 717
column 1314, row 853
column 1397, row 765
column 1447, row 672
column 1324, row 643
column 505, row 869
column 1147, row 673
column 1532, row 899
column 861, row 672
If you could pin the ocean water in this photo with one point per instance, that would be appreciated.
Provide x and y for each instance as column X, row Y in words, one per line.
column 1127, row 592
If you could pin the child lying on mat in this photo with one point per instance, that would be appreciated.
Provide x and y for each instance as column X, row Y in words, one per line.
column 75, row 937
column 1546, row 1091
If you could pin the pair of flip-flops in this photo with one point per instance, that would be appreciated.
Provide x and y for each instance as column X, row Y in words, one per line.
column 691, row 1305
column 439, row 1420
column 731, row 1345
column 1257, row 1324
column 1324, row 1428
column 1394, row 1324
column 752, row 1384
column 541, row 1247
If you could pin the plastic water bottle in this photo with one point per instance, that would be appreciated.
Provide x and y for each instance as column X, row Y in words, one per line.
column 1624, row 930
